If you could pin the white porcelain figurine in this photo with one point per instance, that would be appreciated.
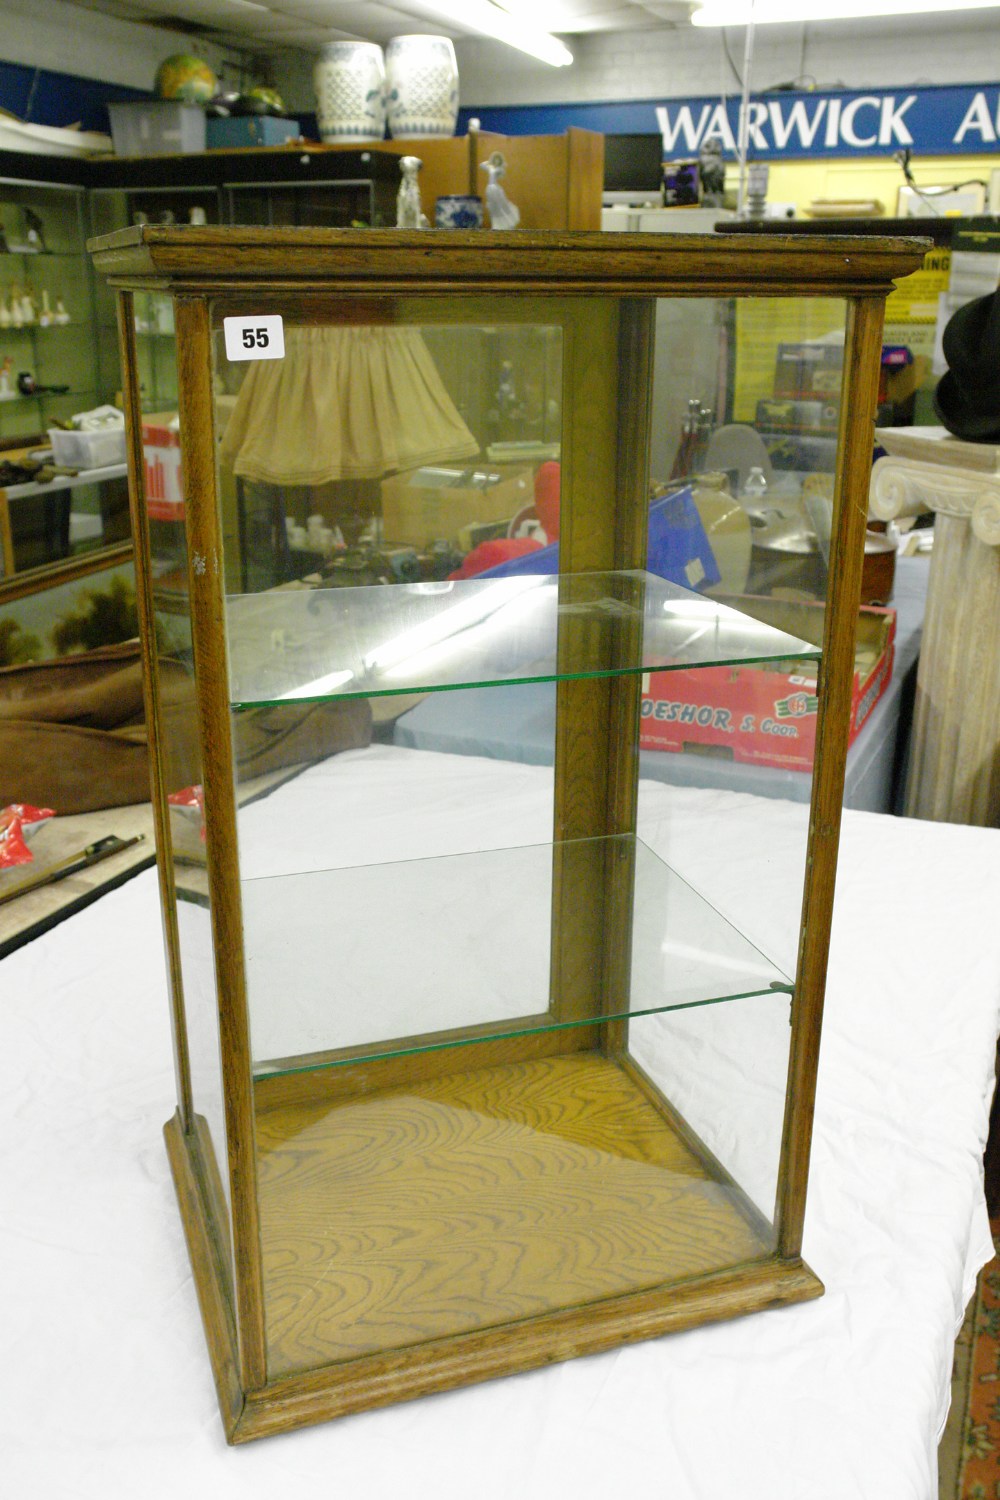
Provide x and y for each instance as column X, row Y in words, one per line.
column 408, row 211
column 503, row 213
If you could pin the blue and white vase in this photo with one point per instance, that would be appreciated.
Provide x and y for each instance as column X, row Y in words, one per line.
column 349, row 78
column 458, row 211
column 421, row 86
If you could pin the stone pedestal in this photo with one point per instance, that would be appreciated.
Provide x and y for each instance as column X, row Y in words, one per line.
column 954, row 772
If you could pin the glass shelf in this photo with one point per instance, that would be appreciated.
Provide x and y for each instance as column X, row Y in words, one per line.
column 45, row 396
column 5, row 329
column 315, row 1002
column 316, row 644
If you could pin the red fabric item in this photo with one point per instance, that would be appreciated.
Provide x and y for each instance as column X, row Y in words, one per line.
column 492, row 554
column 547, row 485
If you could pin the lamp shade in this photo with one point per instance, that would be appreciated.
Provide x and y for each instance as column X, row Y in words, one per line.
column 344, row 403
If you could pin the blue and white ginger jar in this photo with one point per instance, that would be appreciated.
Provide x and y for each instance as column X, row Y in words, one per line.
column 421, row 86
column 349, row 78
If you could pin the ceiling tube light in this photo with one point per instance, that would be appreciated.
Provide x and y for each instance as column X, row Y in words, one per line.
column 490, row 20
column 738, row 12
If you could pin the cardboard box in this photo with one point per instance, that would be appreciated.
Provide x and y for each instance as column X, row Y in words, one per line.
column 163, row 479
column 431, row 504
column 764, row 714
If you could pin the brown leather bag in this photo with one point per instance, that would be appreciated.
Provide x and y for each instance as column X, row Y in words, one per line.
column 73, row 732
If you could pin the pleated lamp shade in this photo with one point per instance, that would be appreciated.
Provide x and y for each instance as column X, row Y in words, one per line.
column 343, row 403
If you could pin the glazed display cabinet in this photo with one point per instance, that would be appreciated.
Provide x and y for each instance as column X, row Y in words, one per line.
column 479, row 1065
column 47, row 320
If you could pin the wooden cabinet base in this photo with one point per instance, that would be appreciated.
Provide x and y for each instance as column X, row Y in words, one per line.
column 623, row 1238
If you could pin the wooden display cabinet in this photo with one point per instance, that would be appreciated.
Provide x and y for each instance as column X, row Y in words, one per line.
column 470, row 1079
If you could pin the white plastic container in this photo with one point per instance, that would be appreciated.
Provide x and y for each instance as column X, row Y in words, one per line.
column 87, row 450
column 157, row 127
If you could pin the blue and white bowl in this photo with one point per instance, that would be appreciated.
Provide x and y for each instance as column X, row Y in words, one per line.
column 421, row 86
column 349, row 78
column 458, row 211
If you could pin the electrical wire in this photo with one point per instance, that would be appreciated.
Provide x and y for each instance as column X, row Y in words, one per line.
column 905, row 157
column 729, row 59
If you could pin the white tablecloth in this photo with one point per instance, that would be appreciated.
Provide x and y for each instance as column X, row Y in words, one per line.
column 105, row 1387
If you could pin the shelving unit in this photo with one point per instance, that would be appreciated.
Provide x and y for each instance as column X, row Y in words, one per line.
column 57, row 355
column 460, row 1099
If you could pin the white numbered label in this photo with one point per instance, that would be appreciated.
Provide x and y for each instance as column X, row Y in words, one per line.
column 254, row 338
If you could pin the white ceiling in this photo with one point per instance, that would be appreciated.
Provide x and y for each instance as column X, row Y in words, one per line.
column 277, row 24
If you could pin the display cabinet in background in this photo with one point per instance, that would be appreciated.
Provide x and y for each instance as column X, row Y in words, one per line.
column 482, row 1064
column 55, row 527
column 47, row 337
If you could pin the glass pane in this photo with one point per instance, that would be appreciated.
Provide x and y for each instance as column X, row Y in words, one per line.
column 46, row 310
column 526, row 628
column 388, row 453
column 724, row 1069
column 471, row 963
column 746, row 405
column 165, row 503
column 683, row 953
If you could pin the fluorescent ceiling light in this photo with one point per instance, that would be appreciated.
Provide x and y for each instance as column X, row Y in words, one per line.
column 739, row 12
column 479, row 604
column 320, row 686
column 490, row 20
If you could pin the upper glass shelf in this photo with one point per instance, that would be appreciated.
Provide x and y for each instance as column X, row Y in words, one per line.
column 314, row 644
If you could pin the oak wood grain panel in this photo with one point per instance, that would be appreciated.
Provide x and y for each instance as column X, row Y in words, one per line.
column 584, row 713
column 636, row 336
column 66, row 570
column 210, row 1274
column 585, row 262
column 859, row 399
column 205, row 583
column 6, row 536
column 353, row 1072
column 585, row 184
column 382, row 1380
column 475, row 1199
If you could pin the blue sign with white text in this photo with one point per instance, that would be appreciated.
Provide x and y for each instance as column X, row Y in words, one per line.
column 938, row 120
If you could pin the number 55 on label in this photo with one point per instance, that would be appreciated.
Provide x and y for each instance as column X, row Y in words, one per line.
column 254, row 338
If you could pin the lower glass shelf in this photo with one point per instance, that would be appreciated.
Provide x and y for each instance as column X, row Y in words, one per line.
column 352, row 965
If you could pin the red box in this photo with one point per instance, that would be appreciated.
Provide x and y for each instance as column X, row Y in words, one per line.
column 163, row 478
column 764, row 714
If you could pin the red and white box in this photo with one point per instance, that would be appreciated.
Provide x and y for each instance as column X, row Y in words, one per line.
column 163, row 478
column 764, row 714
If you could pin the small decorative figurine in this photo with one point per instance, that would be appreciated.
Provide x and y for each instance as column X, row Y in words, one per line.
column 29, row 313
column 408, row 211
column 45, row 312
column 7, row 392
column 60, row 316
column 503, row 213
column 712, row 171
column 36, row 232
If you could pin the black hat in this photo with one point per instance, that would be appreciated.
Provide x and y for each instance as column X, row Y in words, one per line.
column 967, row 398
